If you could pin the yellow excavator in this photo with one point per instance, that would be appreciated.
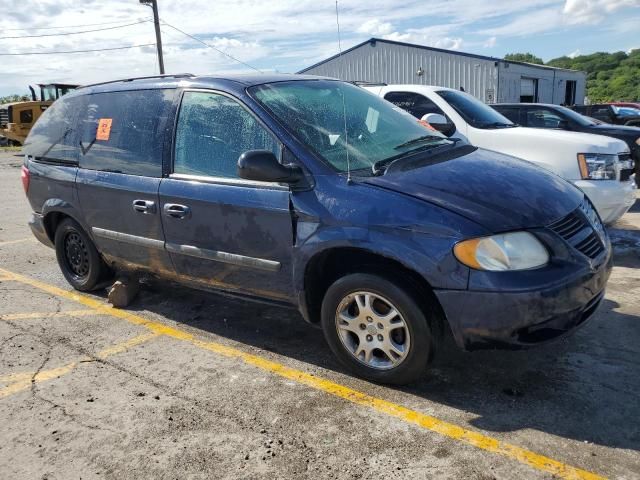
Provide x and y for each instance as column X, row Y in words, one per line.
column 17, row 118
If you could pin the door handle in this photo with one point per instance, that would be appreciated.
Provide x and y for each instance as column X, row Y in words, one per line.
column 144, row 206
column 174, row 210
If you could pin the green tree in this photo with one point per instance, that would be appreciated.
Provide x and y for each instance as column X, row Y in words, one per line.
column 14, row 98
column 610, row 76
column 524, row 57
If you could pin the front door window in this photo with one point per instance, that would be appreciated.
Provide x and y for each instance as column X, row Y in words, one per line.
column 213, row 131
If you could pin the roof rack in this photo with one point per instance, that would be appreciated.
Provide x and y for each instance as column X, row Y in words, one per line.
column 166, row 75
column 370, row 84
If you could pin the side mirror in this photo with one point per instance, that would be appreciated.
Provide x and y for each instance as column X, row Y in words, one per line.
column 263, row 166
column 439, row 122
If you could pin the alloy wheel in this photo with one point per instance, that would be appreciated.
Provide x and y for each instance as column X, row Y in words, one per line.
column 372, row 329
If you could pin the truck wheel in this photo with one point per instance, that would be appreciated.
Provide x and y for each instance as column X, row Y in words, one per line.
column 377, row 329
column 77, row 256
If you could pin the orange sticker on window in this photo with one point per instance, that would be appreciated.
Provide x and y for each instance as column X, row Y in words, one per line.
column 104, row 129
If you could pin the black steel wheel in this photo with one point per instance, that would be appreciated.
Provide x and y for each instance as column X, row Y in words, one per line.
column 77, row 256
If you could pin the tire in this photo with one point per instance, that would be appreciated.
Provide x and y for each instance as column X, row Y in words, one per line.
column 354, row 329
column 77, row 256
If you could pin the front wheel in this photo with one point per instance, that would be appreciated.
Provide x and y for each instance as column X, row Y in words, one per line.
column 377, row 329
column 77, row 256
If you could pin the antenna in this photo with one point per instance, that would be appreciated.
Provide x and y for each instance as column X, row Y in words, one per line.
column 344, row 106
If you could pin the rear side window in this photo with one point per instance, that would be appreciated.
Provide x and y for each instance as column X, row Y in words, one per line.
column 512, row 113
column 414, row 103
column 543, row 118
column 123, row 132
column 54, row 137
column 213, row 131
column 601, row 113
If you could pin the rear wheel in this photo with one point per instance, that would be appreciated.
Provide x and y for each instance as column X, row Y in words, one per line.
column 77, row 256
column 377, row 329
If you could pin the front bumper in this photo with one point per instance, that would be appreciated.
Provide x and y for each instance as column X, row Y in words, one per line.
column 36, row 223
column 611, row 198
column 518, row 319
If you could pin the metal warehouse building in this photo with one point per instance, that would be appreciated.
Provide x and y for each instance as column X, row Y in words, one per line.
column 491, row 80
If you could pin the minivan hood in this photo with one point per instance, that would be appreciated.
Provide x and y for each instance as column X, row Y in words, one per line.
column 583, row 142
column 496, row 191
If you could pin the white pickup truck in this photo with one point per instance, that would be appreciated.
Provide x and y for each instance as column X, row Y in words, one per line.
column 591, row 162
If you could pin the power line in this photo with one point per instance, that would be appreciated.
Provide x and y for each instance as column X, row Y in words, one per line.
column 211, row 46
column 75, row 33
column 77, row 51
column 66, row 26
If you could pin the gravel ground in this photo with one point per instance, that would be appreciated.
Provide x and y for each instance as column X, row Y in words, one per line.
column 86, row 394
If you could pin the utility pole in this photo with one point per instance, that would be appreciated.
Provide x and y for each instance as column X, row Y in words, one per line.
column 156, row 22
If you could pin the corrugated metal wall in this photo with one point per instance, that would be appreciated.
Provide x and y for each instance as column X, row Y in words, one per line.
column 561, row 84
column 399, row 63
column 391, row 63
column 511, row 75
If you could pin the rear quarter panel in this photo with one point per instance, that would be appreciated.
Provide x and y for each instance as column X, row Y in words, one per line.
column 52, row 189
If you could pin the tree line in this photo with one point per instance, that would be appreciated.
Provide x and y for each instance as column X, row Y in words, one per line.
column 14, row 98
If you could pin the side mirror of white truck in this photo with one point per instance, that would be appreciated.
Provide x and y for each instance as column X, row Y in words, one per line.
column 439, row 122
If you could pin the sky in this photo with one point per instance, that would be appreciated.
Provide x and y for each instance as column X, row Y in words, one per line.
column 288, row 35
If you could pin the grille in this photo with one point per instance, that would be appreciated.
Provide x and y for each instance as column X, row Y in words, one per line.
column 4, row 117
column 590, row 246
column 582, row 229
column 626, row 169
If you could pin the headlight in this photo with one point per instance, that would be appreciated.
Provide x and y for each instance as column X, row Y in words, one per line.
column 638, row 141
column 507, row 251
column 597, row 166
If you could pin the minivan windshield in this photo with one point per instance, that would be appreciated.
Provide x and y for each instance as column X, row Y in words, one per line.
column 333, row 118
column 474, row 112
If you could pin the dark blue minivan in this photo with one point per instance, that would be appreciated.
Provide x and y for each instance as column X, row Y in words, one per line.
column 313, row 193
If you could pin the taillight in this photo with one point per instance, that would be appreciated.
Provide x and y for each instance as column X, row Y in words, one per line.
column 24, row 175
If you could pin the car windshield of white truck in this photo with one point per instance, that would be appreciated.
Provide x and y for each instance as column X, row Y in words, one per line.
column 474, row 112
column 333, row 118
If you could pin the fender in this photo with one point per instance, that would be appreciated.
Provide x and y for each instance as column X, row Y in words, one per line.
column 429, row 256
column 57, row 205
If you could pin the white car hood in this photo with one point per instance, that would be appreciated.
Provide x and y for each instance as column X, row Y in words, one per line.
column 584, row 142
column 554, row 150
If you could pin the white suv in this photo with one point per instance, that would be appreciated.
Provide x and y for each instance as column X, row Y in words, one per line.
column 591, row 162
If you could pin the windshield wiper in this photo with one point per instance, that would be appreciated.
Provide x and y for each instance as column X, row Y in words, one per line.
column 424, row 138
column 381, row 165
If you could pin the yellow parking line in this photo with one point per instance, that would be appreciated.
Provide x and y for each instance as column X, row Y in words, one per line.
column 24, row 382
column 20, row 240
column 427, row 422
column 68, row 313
column 126, row 345
column 18, row 382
